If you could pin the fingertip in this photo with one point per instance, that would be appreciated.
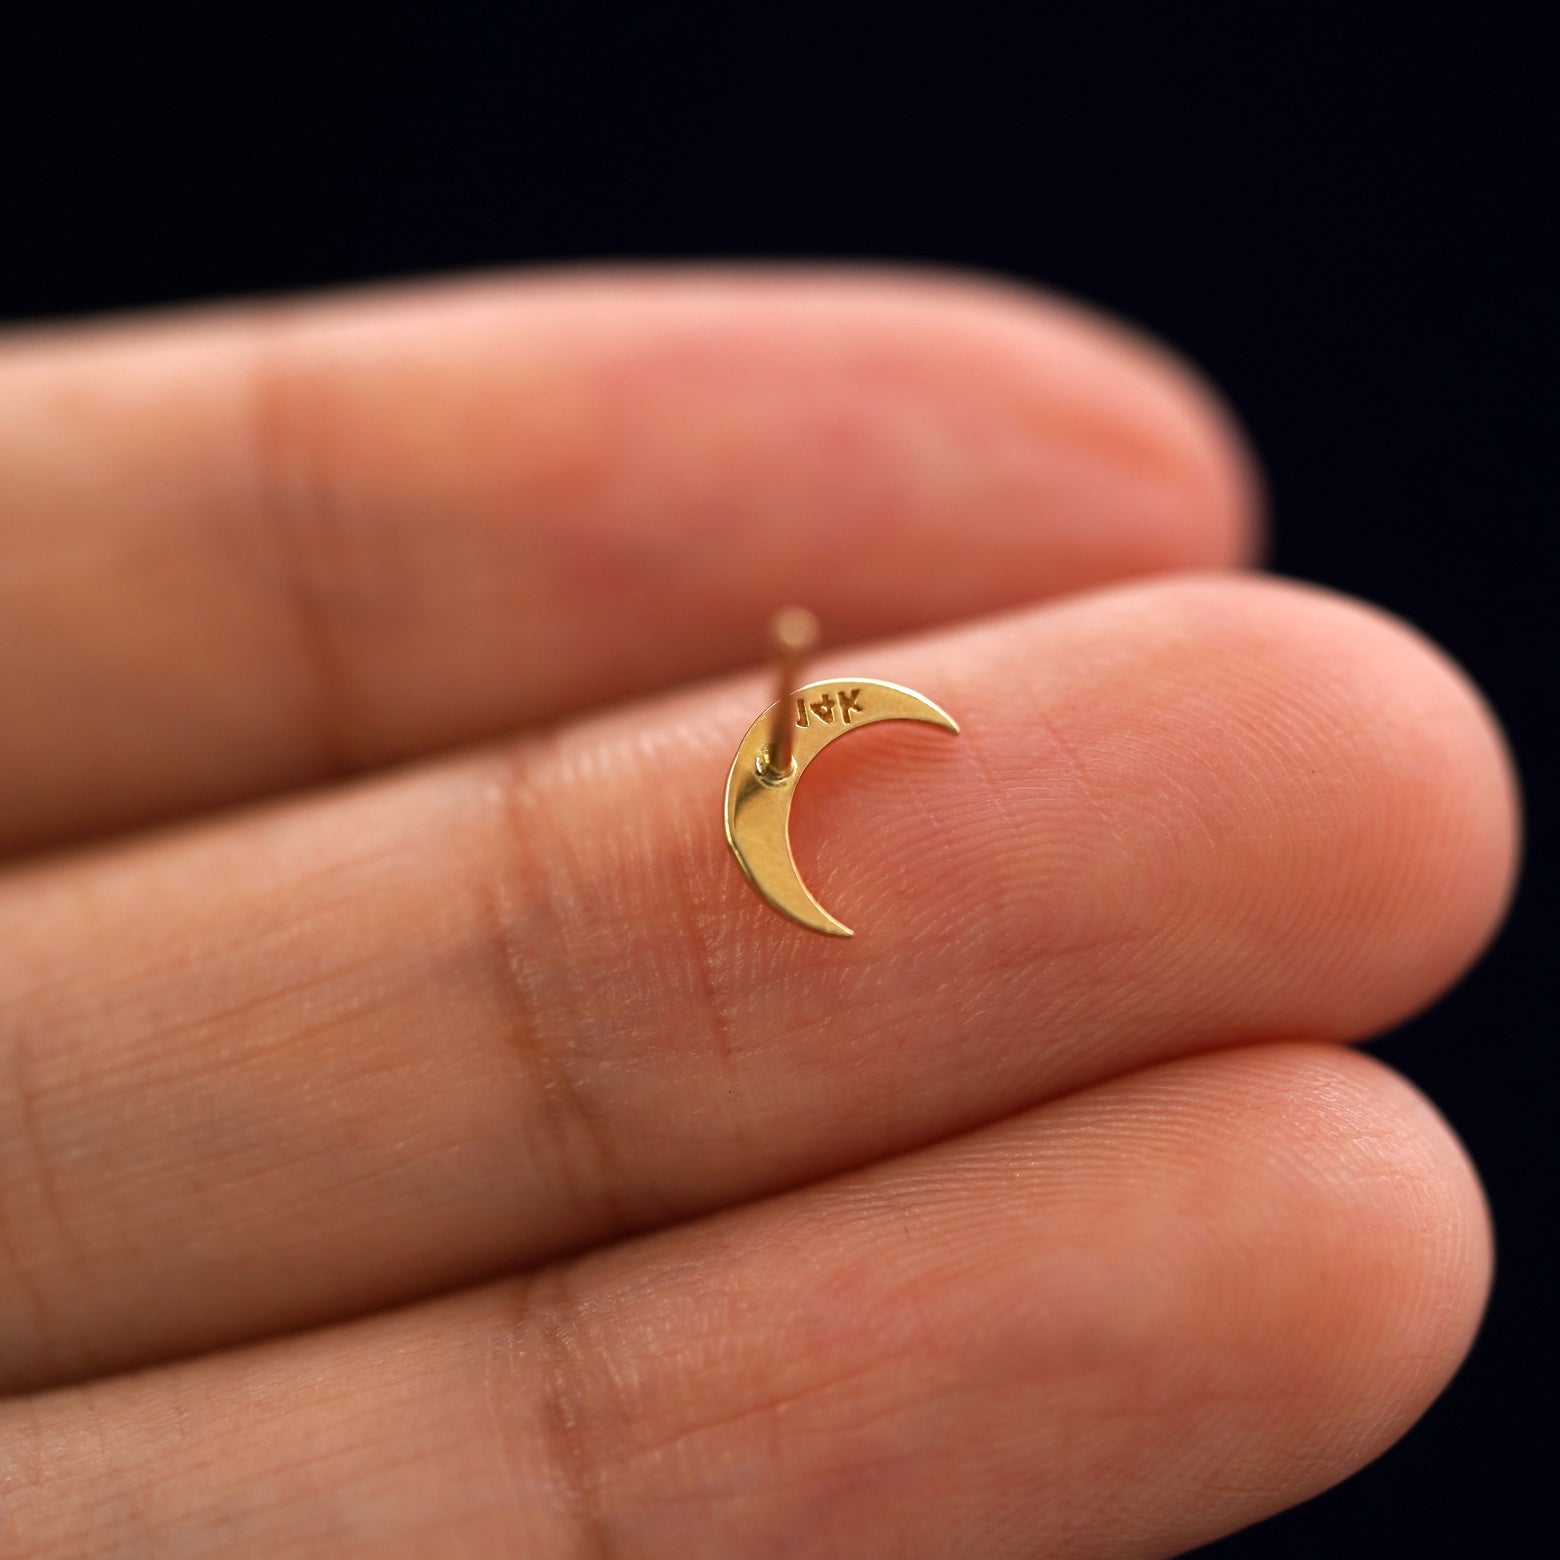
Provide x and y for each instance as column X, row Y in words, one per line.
column 1349, row 785
column 1160, row 433
column 1380, row 1247
column 1411, row 772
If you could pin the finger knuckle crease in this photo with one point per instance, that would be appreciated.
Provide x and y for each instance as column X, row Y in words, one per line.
column 549, row 1329
column 300, row 519
column 530, row 889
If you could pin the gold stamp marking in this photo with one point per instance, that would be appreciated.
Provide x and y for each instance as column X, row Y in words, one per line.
column 825, row 708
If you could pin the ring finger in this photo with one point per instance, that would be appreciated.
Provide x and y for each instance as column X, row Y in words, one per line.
column 1115, row 1326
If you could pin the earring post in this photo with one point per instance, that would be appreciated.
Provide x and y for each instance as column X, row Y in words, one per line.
column 793, row 636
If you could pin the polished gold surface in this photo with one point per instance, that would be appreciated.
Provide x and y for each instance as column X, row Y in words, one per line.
column 758, row 796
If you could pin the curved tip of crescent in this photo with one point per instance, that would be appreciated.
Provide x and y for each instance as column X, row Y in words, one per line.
column 934, row 714
column 810, row 913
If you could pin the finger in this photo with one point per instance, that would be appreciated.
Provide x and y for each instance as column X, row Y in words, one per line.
column 1118, row 1326
column 416, row 1033
column 247, row 551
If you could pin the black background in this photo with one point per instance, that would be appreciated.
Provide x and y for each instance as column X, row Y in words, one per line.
column 1347, row 217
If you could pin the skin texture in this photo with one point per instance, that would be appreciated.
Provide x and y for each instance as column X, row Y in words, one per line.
column 1102, row 1327
column 467, row 1156
column 303, row 541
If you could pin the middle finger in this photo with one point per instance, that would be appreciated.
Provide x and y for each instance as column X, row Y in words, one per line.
column 410, row 1033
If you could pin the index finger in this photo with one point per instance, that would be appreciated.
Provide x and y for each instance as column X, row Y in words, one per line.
column 256, row 548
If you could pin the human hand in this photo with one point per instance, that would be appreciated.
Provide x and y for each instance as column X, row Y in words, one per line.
column 461, row 1160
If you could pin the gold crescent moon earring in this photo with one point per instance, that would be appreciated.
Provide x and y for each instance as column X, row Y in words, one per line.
column 779, row 746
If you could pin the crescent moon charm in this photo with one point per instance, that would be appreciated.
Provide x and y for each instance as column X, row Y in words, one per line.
column 758, row 802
